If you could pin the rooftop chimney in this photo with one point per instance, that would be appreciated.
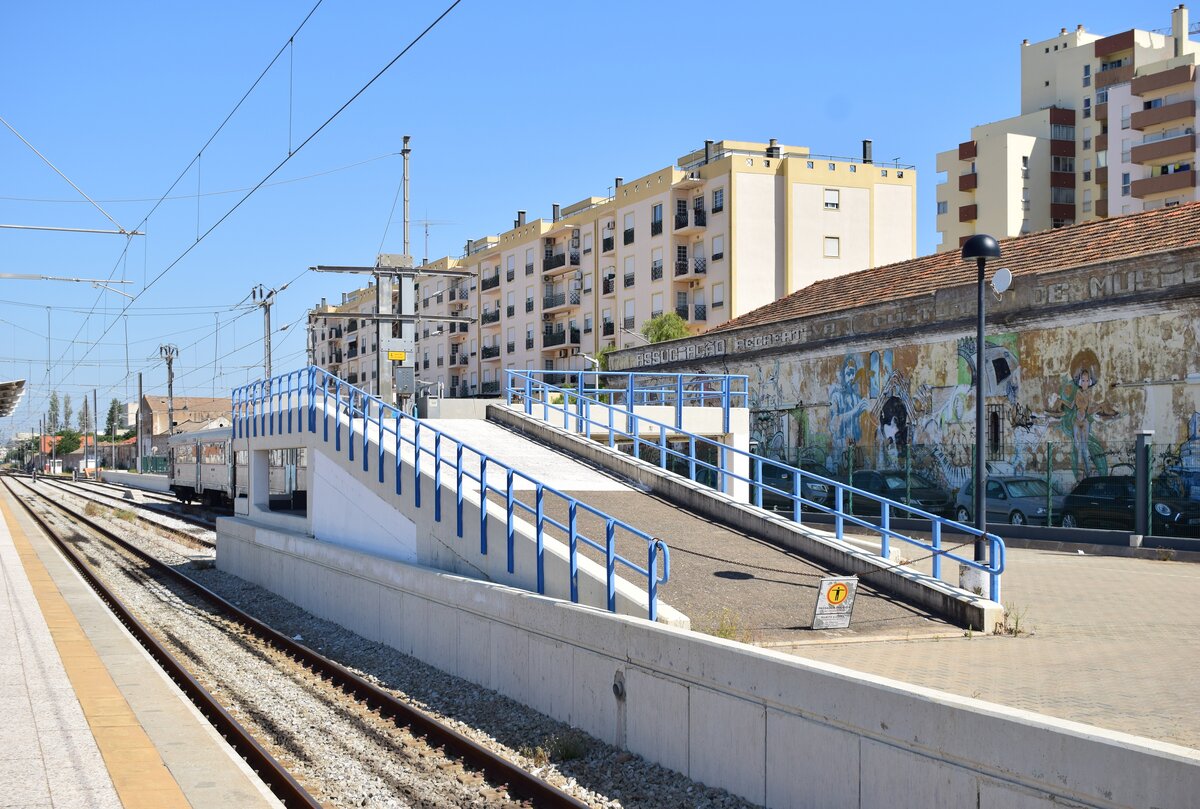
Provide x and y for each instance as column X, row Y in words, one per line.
column 708, row 144
column 1179, row 28
column 617, row 182
column 520, row 218
column 867, row 151
column 555, row 214
column 773, row 148
column 1062, row 32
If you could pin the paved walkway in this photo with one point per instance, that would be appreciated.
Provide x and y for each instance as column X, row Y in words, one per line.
column 1104, row 640
column 88, row 718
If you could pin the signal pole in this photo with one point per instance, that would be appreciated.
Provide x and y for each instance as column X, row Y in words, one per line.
column 139, row 424
column 264, row 298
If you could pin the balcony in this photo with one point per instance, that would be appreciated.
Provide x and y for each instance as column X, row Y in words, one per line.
column 489, row 352
column 425, row 365
column 441, row 361
column 968, row 150
column 490, row 388
column 1062, row 179
column 458, row 299
column 529, row 268
column 693, row 224
column 681, row 267
column 1184, row 74
column 554, row 261
column 510, row 347
column 700, row 265
column 656, row 270
column 629, row 279
column 528, row 305
column 1101, row 142
column 607, row 244
column 552, row 338
column 609, row 285
column 656, row 227
column 560, row 300
column 628, row 236
column 700, row 312
column 490, row 282
column 608, row 328
column 510, row 310
column 968, row 181
column 510, row 274
column 490, row 318
column 968, row 213
column 1162, row 149
column 352, row 353
column 1062, row 210
column 628, row 322
column 352, row 326
column 1116, row 75
column 1180, row 110
column 1102, row 207
column 1100, row 111
column 682, row 311
column 1163, row 183
column 528, row 343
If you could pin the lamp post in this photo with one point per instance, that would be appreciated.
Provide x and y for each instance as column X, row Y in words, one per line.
column 980, row 247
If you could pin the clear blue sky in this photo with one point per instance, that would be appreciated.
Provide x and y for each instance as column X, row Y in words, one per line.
column 510, row 106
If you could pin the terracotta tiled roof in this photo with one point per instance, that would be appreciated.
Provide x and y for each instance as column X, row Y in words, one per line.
column 1120, row 237
column 201, row 404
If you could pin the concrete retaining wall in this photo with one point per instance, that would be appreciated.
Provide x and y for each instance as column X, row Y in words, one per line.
column 775, row 729
column 151, row 483
column 958, row 606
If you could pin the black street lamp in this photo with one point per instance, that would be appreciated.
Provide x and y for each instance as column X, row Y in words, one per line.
column 980, row 247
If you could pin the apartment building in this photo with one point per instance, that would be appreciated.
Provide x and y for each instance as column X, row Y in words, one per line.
column 346, row 347
column 1107, row 127
column 727, row 229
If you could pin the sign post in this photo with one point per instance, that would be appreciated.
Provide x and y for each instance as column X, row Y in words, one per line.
column 835, row 603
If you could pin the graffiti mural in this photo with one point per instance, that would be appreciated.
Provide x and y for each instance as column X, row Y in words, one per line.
column 1079, row 404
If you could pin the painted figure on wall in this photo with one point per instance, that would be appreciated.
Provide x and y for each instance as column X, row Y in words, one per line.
column 893, row 432
column 1080, row 404
column 846, row 406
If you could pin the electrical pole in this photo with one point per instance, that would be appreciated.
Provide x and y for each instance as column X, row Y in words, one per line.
column 169, row 352
column 265, row 298
column 139, row 424
column 405, row 152
column 95, row 433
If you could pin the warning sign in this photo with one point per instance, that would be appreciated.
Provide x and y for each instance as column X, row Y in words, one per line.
column 397, row 356
column 835, row 603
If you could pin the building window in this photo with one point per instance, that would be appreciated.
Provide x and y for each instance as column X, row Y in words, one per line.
column 883, row 172
column 719, row 199
column 808, row 163
column 943, row 207
column 1126, row 147
column 1087, row 75
column 718, row 296
column 1087, row 200
column 832, row 199
column 1087, row 107
column 899, row 174
column 833, row 247
column 832, row 166
column 1102, row 95
column 656, row 304
column 1124, row 116
column 1062, row 132
column 1062, row 163
column 718, row 247
column 853, row 168
column 1125, row 183
column 1062, row 196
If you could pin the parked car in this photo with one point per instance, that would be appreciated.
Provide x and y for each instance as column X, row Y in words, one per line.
column 1108, row 502
column 778, row 476
column 1016, row 500
column 904, row 487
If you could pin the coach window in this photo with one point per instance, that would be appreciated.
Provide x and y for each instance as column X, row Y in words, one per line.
column 213, row 453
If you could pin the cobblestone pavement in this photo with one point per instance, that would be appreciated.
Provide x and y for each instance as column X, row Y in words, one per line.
column 1103, row 640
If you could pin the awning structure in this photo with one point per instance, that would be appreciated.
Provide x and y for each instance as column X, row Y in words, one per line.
column 10, row 395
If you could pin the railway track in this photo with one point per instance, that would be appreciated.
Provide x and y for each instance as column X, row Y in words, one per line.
column 282, row 665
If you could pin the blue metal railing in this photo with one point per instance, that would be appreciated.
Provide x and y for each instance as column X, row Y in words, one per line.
column 290, row 403
column 640, row 389
column 679, row 451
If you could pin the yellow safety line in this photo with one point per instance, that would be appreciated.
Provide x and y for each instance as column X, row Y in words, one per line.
column 137, row 770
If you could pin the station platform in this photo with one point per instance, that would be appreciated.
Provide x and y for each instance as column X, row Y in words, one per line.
column 89, row 719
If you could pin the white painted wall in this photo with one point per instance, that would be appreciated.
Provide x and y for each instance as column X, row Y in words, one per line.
column 345, row 514
column 758, row 249
column 775, row 729
column 893, row 223
column 153, row 483
column 812, row 222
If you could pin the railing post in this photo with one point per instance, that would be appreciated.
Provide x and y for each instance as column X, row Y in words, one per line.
column 610, row 563
column 325, row 408
column 482, row 504
column 528, row 395
column 289, row 402
column 541, row 540
column 662, row 447
column 678, row 401
column 509, row 537
column 399, row 461
column 437, row 478
column 839, row 516
column 417, row 463
column 692, row 458
column 937, row 549
column 312, row 399
column 458, row 487
column 725, row 404
column 366, row 419
column 629, row 393
column 337, row 416
column 885, row 523
column 573, row 546
column 652, row 580
column 579, row 402
column 350, row 428
column 379, row 436
column 756, row 466
column 797, row 490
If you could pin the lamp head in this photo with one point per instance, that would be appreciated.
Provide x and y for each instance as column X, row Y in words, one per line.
column 980, row 245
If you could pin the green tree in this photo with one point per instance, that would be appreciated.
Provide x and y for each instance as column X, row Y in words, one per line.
column 68, row 441
column 66, row 414
column 602, row 355
column 52, row 413
column 85, row 417
column 114, row 417
column 667, row 326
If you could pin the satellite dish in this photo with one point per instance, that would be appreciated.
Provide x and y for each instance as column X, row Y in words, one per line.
column 1002, row 280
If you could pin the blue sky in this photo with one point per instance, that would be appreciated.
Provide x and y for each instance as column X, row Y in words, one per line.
column 510, row 106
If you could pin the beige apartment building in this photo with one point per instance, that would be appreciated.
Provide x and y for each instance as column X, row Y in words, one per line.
column 1107, row 127
column 729, row 228
column 346, row 347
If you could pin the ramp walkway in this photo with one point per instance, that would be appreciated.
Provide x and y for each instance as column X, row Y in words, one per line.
column 728, row 582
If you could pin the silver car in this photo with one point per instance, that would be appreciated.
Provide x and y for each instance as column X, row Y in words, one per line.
column 1013, row 500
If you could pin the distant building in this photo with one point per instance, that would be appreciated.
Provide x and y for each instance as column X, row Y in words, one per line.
column 726, row 229
column 347, row 347
column 189, row 410
column 1107, row 127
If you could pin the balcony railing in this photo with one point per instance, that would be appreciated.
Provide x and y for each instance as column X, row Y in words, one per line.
column 511, row 274
column 529, row 305
column 490, row 317
column 628, row 236
column 606, row 244
column 699, row 218
column 528, row 342
column 550, row 301
column 511, row 347
column 610, row 285
column 574, row 258
column 490, row 388
column 490, row 283
column 352, row 353
column 700, row 264
column 489, row 352
column 656, row 227
column 700, row 312
column 629, row 279
column 553, row 262
column 681, row 220
column 529, row 269
column 681, row 266
column 608, row 328
column 682, row 311
column 441, row 361
column 558, row 337
column 656, row 271
column 628, row 322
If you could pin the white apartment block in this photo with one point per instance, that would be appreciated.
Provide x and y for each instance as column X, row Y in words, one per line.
column 731, row 227
column 1107, row 127
column 346, row 347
